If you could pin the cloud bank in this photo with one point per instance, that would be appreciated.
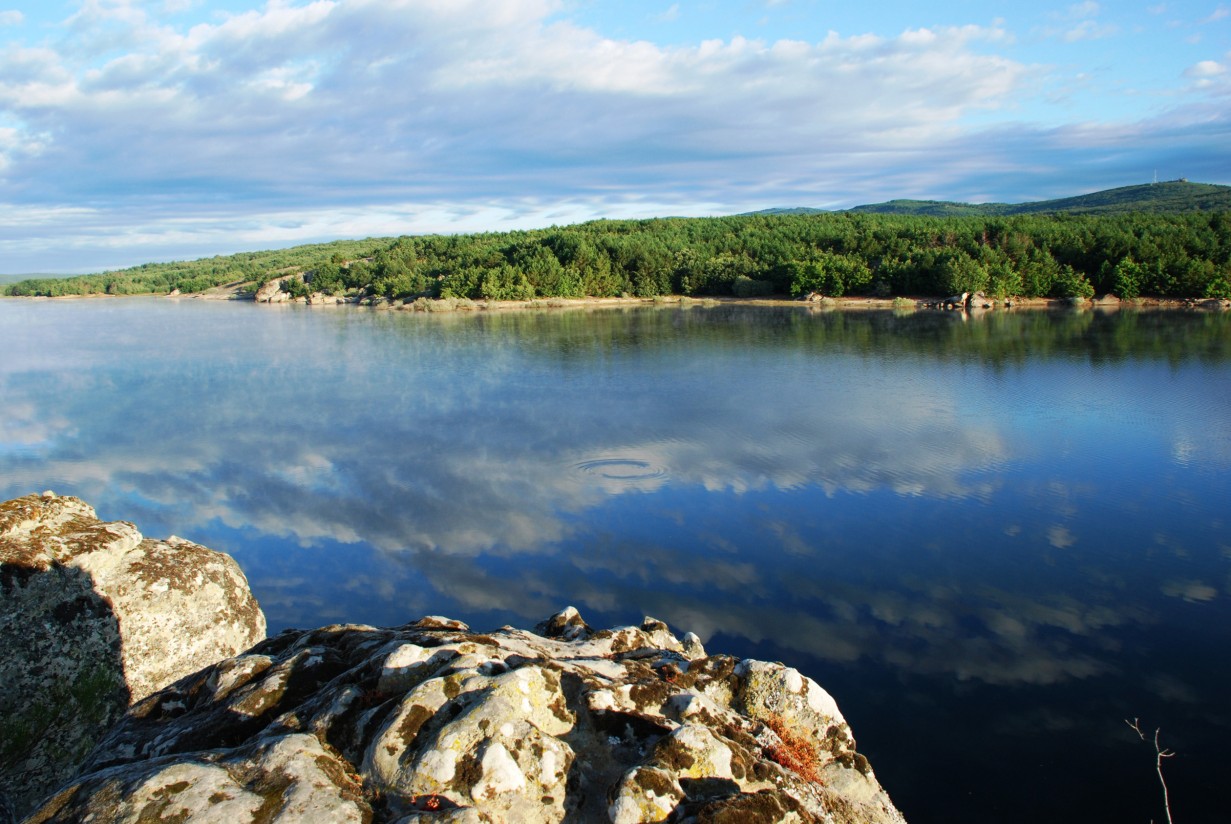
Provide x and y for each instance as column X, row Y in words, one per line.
column 124, row 134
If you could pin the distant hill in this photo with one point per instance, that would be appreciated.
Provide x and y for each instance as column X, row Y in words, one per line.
column 797, row 210
column 1171, row 196
column 17, row 278
column 937, row 208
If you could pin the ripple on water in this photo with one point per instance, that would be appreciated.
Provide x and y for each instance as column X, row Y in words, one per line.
column 622, row 470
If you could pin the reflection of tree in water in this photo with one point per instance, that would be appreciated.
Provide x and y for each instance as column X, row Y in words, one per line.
column 998, row 337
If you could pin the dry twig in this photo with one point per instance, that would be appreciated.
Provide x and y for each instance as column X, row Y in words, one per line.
column 1159, row 755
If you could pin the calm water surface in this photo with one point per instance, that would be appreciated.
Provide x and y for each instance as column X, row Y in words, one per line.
column 992, row 539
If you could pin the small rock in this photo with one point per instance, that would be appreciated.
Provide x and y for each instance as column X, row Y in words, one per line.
column 439, row 622
column 566, row 624
column 645, row 794
column 692, row 646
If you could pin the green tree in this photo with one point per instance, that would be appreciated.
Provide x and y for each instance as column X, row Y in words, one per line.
column 830, row 274
column 1070, row 283
column 1127, row 277
column 505, row 283
column 959, row 272
column 327, row 278
column 1003, row 280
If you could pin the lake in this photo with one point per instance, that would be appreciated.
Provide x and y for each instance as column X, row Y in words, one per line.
column 992, row 538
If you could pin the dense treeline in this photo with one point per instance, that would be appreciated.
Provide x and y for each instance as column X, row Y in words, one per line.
column 835, row 254
column 198, row 275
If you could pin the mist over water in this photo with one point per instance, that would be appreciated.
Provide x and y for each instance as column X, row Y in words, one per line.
column 992, row 538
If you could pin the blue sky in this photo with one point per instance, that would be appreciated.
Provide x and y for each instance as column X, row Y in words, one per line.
column 139, row 130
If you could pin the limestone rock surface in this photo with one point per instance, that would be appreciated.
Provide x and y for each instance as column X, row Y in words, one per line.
column 430, row 722
column 94, row 617
column 271, row 292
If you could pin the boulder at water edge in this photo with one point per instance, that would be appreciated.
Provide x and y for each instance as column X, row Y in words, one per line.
column 94, row 617
column 431, row 722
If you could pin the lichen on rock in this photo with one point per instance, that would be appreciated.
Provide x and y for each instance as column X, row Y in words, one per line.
column 431, row 722
column 93, row 617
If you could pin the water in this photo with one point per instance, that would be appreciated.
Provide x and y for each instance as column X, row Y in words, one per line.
column 992, row 539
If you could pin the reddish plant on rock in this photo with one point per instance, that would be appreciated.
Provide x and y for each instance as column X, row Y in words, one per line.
column 796, row 751
column 430, row 803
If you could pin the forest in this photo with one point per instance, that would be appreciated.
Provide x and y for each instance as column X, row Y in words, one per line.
column 1131, row 255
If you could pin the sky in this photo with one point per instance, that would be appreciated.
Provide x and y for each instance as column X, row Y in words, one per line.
column 148, row 130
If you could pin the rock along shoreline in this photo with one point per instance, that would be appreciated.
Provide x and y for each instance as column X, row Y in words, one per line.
column 433, row 722
column 271, row 294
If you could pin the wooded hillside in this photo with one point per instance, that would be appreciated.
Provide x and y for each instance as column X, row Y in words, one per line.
column 1185, row 254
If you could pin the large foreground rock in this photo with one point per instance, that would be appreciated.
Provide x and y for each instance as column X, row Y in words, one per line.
column 94, row 617
column 433, row 723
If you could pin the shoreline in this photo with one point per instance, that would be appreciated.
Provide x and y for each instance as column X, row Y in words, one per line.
column 908, row 303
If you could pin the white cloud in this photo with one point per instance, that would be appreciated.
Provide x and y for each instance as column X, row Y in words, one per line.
column 1206, row 68
column 11, row 18
column 670, row 14
column 1210, row 77
column 373, row 108
column 321, row 104
column 1079, row 23
column 1220, row 13
column 1077, row 11
column 1089, row 30
column 1085, row 9
column 415, row 83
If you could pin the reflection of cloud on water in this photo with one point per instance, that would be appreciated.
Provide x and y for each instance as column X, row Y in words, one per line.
column 941, row 646
column 24, row 425
column 459, row 460
column 1031, row 722
column 1196, row 444
column 1183, row 450
column 650, row 564
column 1170, row 688
column 983, row 633
column 313, row 473
column 468, row 465
column 392, row 508
column 511, row 484
column 1192, row 591
column 968, row 631
column 920, row 447
column 1060, row 537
